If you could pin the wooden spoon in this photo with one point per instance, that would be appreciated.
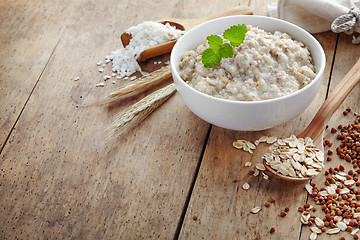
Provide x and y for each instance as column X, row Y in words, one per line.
column 315, row 129
column 182, row 24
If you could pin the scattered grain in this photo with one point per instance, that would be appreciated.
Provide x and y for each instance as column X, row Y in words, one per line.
column 246, row 186
column 255, row 210
column 100, row 85
column 260, row 167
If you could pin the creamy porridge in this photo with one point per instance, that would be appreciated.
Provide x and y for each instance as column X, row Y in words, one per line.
column 266, row 65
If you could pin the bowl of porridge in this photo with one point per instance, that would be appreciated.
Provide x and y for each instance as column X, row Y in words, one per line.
column 272, row 77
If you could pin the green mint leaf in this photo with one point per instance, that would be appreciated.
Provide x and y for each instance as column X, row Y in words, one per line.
column 215, row 42
column 235, row 34
column 210, row 58
column 218, row 49
column 226, row 51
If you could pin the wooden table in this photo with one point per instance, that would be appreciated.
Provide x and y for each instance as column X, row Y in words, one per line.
column 63, row 175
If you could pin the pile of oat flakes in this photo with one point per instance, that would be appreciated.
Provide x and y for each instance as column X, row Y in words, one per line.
column 292, row 156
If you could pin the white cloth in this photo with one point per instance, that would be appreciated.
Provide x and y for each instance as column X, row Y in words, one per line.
column 313, row 15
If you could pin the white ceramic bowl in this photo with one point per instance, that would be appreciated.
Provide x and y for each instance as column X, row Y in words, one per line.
column 246, row 115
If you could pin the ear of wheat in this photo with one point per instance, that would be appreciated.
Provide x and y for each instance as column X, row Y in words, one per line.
column 141, row 85
column 143, row 108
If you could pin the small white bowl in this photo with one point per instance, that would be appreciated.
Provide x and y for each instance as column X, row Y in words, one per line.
column 246, row 115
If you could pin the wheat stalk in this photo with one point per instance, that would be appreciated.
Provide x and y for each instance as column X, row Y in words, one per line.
column 143, row 108
column 140, row 85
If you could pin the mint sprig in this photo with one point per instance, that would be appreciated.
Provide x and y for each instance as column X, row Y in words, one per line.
column 219, row 49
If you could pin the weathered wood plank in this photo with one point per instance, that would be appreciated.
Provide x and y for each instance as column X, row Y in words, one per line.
column 222, row 206
column 60, row 178
column 29, row 32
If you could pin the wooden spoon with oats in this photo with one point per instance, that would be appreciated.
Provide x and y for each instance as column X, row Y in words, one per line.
column 315, row 129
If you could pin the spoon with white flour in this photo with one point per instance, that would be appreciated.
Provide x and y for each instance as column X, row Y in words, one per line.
column 182, row 24
column 311, row 136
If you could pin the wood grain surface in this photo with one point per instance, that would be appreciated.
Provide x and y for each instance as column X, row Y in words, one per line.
column 65, row 175
column 29, row 34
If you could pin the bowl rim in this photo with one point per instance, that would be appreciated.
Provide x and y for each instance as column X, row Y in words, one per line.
column 317, row 45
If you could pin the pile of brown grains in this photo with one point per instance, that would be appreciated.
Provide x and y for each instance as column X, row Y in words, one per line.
column 349, row 148
column 339, row 200
column 340, row 197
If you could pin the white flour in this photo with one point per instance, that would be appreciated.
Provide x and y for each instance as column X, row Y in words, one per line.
column 144, row 35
